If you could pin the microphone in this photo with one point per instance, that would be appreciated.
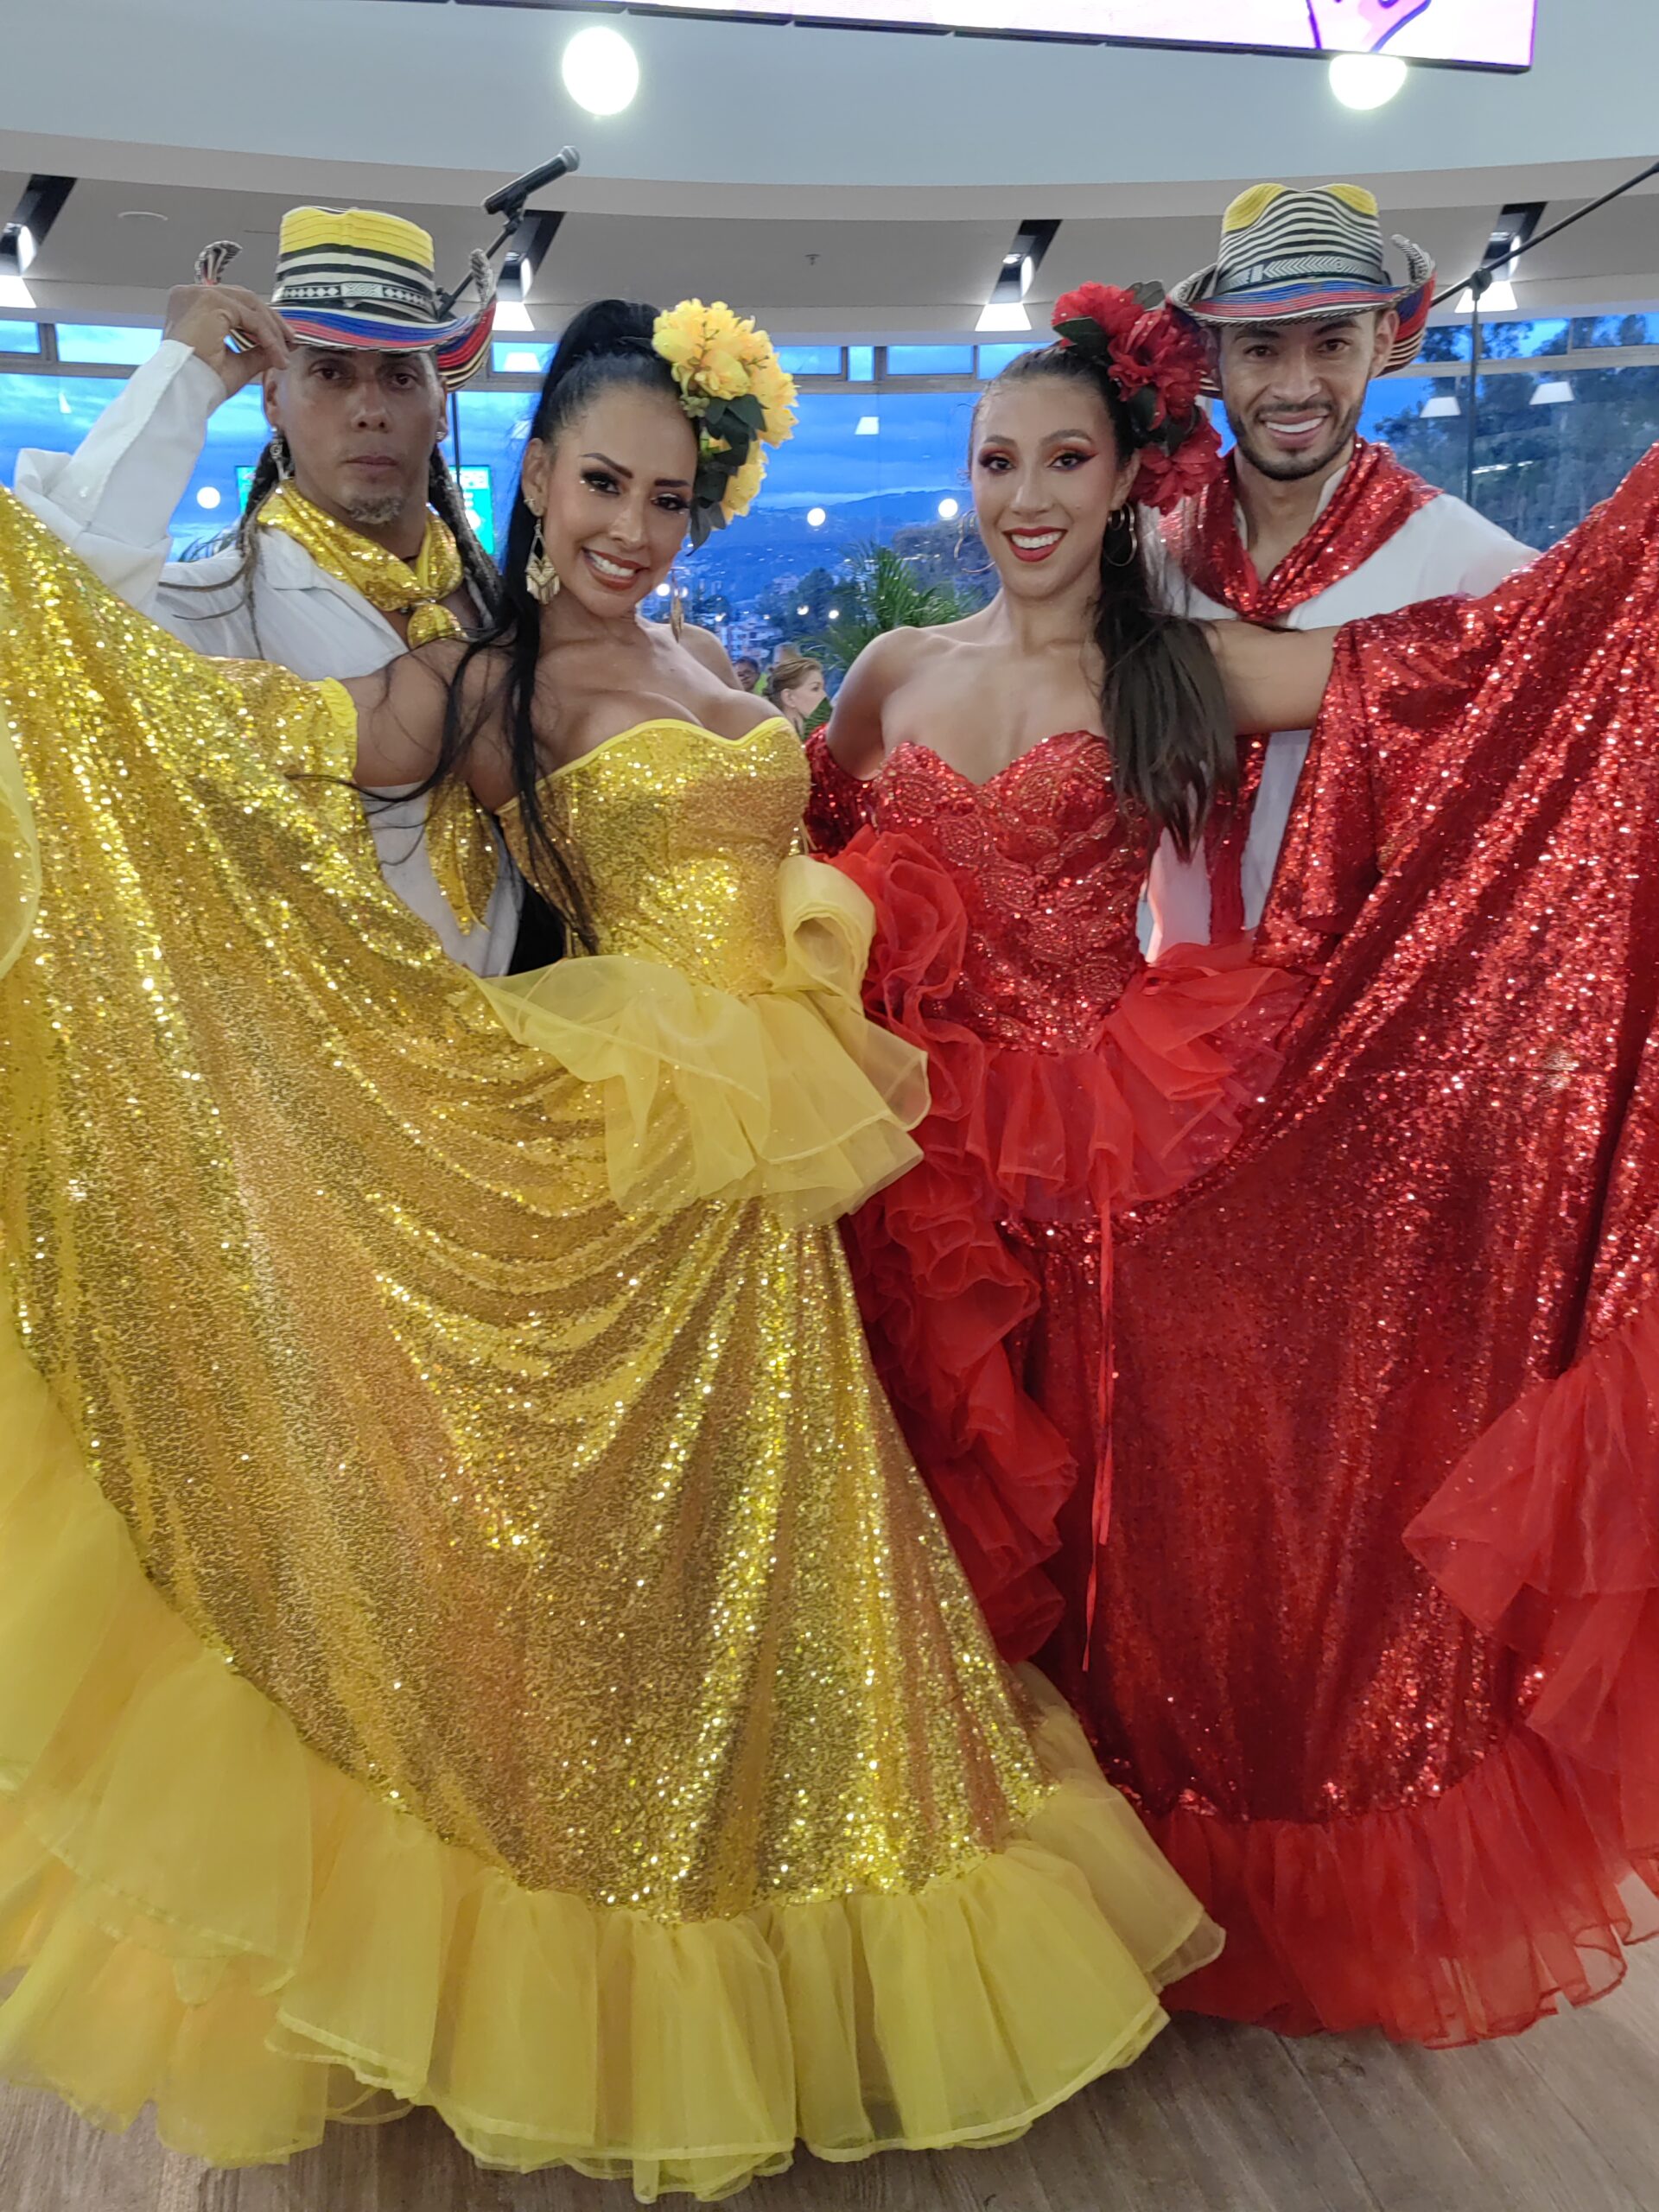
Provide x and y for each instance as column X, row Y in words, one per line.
column 514, row 195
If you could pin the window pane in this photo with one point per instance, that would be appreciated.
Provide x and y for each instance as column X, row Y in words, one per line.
column 930, row 360
column 490, row 433
column 1511, row 341
column 860, row 364
column 101, row 341
column 1447, row 341
column 237, row 432
column 55, row 413
column 811, row 360
column 20, row 338
column 1593, row 330
column 994, row 359
column 520, row 357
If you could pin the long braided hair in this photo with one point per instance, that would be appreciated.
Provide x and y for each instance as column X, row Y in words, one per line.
column 608, row 343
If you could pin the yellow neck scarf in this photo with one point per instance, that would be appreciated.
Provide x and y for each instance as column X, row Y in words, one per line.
column 394, row 586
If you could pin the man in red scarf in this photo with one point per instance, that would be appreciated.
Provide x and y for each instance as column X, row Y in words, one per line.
column 1311, row 526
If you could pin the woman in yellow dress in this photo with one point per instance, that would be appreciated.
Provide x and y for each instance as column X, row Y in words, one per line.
column 470, row 1634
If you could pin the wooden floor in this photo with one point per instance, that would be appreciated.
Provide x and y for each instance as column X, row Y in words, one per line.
column 1213, row 2120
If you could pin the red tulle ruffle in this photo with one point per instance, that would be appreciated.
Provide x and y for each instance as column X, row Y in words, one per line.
column 1018, row 1135
column 1473, row 1913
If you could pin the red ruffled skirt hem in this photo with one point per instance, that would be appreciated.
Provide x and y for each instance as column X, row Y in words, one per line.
column 1476, row 1912
column 1017, row 1137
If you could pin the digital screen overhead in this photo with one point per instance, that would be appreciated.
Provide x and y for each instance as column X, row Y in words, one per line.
column 1480, row 33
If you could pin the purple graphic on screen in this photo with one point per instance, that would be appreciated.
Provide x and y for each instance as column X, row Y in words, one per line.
column 1481, row 33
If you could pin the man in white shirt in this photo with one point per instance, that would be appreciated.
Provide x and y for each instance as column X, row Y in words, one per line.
column 354, row 545
column 1311, row 526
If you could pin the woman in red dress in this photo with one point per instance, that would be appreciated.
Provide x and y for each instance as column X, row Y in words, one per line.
column 1329, row 1497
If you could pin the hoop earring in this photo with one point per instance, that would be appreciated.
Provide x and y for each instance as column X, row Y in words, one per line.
column 676, row 605
column 541, row 577
column 1127, row 522
column 283, row 458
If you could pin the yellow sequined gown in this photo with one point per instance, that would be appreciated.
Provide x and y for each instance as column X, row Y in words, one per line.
column 469, row 1632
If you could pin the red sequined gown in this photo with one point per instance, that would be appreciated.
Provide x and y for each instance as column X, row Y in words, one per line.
column 1373, row 1634
column 1068, row 1079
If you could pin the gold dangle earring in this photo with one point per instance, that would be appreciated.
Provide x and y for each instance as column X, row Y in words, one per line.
column 676, row 604
column 541, row 577
column 1125, row 522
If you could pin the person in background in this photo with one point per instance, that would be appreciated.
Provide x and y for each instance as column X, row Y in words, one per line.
column 353, row 543
column 747, row 672
column 1311, row 524
column 796, row 688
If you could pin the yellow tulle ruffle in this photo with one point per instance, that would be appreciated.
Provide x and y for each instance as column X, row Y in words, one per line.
column 788, row 1094
column 210, row 1918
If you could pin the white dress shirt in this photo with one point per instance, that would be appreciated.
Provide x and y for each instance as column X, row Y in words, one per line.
column 1444, row 548
column 111, row 502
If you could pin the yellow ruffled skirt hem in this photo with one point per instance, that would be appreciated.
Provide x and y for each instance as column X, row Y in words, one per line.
column 788, row 1094
column 198, row 1914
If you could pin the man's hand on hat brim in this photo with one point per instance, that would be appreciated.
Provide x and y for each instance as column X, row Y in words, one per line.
column 205, row 317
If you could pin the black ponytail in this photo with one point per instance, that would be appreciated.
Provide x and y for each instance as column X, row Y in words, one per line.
column 608, row 343
column 1163, row 705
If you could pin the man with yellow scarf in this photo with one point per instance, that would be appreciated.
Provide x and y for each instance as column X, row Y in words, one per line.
column 353, row 544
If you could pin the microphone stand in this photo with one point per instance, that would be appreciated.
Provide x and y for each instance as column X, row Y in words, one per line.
column 1479, row 281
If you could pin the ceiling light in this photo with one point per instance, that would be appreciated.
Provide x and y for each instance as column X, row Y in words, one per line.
column 207, row 496
column 512, row 314
column 949, row 510
column 869, row 426
column 1366, row 79
column 140, row 215
column 13, row 293
column 1498, row 298
column 601, row 71
column 22, row 241
column 1555, row 392
column 816, row 517
column 1442, row 402
column 1002, row 315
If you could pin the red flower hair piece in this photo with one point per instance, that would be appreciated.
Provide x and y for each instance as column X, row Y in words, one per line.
column 1157, row 365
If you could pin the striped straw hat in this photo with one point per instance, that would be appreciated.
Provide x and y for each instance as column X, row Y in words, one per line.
column 354, row 277
column 1298, row 256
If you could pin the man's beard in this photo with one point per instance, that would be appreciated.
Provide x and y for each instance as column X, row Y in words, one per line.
column 375, row 509
column 1294, row 467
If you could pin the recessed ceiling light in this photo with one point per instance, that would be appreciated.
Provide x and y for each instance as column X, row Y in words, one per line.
column 13, row 293
column 1003, row 315
column 1367, row 79
column 511, row 314
column 601, row 71
column 816, row 517
column 142, row 215
column 949, row 510
column 207, row 496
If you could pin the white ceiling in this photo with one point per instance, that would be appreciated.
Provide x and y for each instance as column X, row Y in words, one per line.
column 833, row 182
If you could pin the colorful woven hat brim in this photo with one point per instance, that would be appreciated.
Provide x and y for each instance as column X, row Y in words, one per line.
column 1306, row 302
column 458, row 346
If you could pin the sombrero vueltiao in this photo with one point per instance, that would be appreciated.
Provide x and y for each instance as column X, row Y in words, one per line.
column 354, row 276
column 1301, row 256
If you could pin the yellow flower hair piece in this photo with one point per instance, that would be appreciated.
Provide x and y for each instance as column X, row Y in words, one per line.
column 738, row 393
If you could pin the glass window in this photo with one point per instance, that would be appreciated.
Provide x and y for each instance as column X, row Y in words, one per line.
column 1593, row 330
column 20, row 338
column 237, row 432
column 861, row 364
column 1445, row 341
column 54, row 413
column 1513, row 342
column 491, row 428
column 520, row 357
column 811, row 360
column 930, row 360
column 992, row 359
column 105, row 342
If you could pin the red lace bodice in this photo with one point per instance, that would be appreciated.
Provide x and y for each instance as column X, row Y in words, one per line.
column 1045, row 867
